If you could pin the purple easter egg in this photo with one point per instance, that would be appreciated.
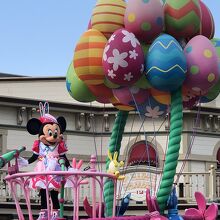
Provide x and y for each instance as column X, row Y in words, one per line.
column 202, row 64
column 144, row 18
column 131, row 95
column 123, row 58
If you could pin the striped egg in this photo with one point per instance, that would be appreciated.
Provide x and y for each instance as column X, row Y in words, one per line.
column 202, row 64
column 207, row 27
column 144, row 18
column 117, row 104
column 76, row 87
column 182, row 18
column 88, row 57
column 123, row 58
column 165, row 64
column 108, row 16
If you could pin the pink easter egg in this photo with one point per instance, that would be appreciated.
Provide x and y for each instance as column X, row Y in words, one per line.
column 202, row 64
column 144, row 18
column 123, row 58
column 131, row 95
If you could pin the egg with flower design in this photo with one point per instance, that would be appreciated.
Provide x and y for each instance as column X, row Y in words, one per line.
column 123, row 58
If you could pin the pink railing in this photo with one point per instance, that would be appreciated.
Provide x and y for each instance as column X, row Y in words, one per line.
column 77, row 178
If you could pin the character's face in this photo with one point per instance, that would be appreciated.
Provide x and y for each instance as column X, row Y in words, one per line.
column 51, row 134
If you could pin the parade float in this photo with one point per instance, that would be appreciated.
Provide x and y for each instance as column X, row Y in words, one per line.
column 152, row 57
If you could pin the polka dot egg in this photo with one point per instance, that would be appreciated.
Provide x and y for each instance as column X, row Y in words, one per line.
column 202, row 64
column 123, row 58
column 145, row 18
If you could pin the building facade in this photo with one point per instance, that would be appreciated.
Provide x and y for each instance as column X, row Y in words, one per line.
column 88, row 132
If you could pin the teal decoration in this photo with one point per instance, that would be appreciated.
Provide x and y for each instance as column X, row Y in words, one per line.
column 114, row 145
column 176, row 125
column 166, row 64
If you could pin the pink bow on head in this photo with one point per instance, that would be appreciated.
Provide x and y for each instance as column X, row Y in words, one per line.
column 201, row 213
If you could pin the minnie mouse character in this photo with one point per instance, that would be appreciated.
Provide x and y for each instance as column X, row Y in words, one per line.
column 47, row 150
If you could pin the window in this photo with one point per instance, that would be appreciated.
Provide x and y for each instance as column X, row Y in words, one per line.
column 140, row 154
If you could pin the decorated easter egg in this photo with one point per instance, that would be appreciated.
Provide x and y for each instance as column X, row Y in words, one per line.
column 101, row 92
column 117, row 104
column 152, row 109
column 216, row 44
column 143, row 83
column 131, row 95
column 182, row 18
column 144, row 18
column 161, row 96
column 202, row 64
column 76, row 87
column 212, row 93
column 123, row 58
column 207, row 27
column 108, row 16
column 88, row 57
column 165, row 64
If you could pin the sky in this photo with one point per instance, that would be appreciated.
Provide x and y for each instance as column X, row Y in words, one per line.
column 38, row 37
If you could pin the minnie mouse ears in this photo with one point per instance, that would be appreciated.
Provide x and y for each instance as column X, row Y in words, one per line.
column 45, row 116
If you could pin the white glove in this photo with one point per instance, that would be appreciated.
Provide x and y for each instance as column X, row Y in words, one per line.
column 22, row 162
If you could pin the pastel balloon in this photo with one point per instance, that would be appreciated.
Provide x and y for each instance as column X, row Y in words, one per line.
column 207, row 27
column 212, row 93
column 144, row 18
column 108, row 16
column 123, row 58
column 202, row 64
column 216, row 44
column 166, row 64
column 88, row 57
column 161, row 96
column 131, row 95
column 182, row 18
column 117, row 104
column 143, row 83
column 76, row 87
column 101, row 92
column 152, row 109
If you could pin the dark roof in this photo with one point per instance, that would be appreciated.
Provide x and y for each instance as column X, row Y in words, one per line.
column 10, row 75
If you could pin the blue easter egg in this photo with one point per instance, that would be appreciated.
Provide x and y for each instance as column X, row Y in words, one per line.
column 152, row 109
column 166, row 64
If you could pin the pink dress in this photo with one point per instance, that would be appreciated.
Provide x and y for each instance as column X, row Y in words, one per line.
column 47, row 161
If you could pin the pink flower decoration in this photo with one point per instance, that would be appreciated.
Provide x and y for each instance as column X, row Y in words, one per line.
column 153, row 207
column 202, row 213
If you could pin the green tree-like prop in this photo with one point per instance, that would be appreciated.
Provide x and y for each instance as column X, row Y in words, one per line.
column 114, row 145
column 176, row 124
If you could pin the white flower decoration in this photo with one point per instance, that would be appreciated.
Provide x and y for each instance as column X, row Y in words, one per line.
column 105, row 51
column 111, row 38
column 128, row 77
column 153, row 112
column 118, row 59
column 133, row 54
column 130, row 37
column 111, row 74
column 142, row 68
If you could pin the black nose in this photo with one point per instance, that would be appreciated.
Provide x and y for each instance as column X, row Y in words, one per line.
column 55, row 136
